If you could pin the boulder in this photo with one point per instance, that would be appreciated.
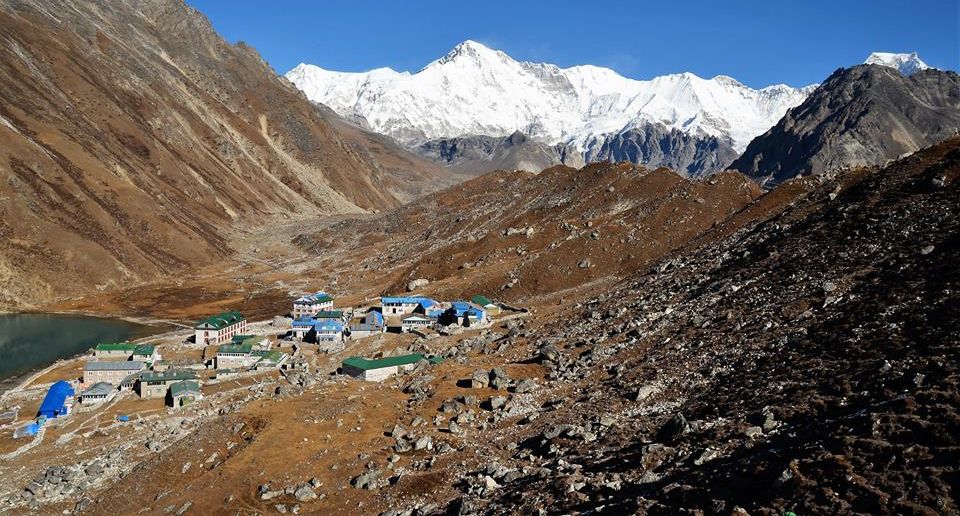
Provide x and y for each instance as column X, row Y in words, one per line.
column 370, row 480
column 480, row 379
column 527, row 385
column 305, row 493
column 499, row 379
column 423, row 443
column 673, row 428
column 497, row 402
column 417, row 283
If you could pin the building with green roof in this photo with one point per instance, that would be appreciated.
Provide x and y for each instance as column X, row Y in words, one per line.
column 220, row 328
column 145, row 353
column 269, row 359
column 114, row 350
column 336, row 315
column 235, row 356
column 183, row 393
column 235, row 349
column 309, row 305
column 379, row 369
column 154, row 384
column 484, row 302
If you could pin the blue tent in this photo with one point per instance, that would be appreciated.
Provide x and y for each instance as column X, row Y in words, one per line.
column 55, row 404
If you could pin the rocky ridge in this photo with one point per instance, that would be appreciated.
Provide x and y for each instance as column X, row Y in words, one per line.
column 860, row 116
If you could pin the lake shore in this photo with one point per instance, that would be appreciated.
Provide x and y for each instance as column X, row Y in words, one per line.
column 141, row 329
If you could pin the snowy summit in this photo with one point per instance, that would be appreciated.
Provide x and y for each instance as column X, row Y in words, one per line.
column 475, row 90
column 907, row 64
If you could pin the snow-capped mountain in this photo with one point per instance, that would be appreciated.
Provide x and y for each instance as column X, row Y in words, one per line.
column 475, row 90
column 907, row 64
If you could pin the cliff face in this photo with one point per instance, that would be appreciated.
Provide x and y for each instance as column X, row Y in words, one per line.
column 860, row 116
column 480, row 154
column 136, row 141
column 649, row 145
column 655, row 145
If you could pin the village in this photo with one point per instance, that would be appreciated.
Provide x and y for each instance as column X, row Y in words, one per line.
column 230, row 347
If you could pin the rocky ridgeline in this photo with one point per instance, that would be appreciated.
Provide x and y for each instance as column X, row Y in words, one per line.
column 811, row 357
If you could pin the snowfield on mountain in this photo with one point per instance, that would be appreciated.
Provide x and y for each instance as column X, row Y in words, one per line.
column 475, row 90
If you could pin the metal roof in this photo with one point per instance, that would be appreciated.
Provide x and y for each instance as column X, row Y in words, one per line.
column 184, row 387
column 410, row 300
column 328, row 325
column 376, row 316
column 127, row 365
column 115, row 346
column 481, row 300
column 462, row 308
column 304, row 322
column 98, row 389
column 144, row 349
column 367, row 364
column 234, row 349
column 274, row 355
column 319, row 297
column 221, row 321
column 168, row 375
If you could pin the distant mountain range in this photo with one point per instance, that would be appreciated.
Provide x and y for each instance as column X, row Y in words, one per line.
column 480, row 97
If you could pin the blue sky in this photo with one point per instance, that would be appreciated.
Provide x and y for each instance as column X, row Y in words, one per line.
column 756, row 42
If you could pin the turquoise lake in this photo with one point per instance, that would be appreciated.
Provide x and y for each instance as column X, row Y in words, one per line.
column 33, row 341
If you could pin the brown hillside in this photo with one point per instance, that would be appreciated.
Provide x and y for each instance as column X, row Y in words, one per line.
column 136, row 141
column 519, row 236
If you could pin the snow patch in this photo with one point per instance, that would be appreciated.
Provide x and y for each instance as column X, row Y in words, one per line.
column 907, row 64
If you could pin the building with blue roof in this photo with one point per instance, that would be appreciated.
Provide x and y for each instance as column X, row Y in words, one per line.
column 328, row 330
column 58, row 400
column 464, row 313
column 302, row 326
column 371, row 324
column 398, row 305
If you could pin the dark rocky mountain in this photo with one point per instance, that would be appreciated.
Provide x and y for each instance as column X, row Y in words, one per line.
column 481, row 154
column 652, row 145
column 860, row 116
column 655, row 145
column 136, row 141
